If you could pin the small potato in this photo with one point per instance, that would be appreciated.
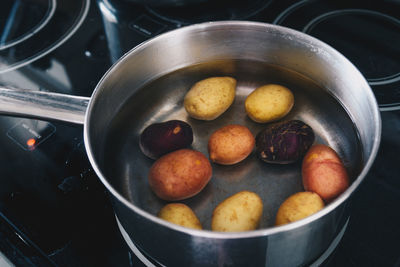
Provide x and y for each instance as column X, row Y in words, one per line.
column 180, row 214
column 324, row 173
column 269, row 103
column 240, row 212
column 298, row 206
column 284, row 142
column 230, row 144
column 180, row 174
column 158, row 139
column 209, row 98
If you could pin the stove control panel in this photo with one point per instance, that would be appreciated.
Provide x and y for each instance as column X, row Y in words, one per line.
column 28, row 134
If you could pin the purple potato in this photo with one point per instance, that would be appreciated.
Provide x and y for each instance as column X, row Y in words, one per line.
column 284, row 142
column 161, row 138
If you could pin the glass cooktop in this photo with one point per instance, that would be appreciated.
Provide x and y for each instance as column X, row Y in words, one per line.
column 53, row 209
column 31, row 29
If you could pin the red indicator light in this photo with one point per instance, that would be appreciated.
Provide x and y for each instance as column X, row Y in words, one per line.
column 31, row 142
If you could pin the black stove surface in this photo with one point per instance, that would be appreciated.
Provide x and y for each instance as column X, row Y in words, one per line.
column 53, row 209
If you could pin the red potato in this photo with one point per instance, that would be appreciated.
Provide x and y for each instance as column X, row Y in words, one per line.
column 324, row 173
column 180, row 174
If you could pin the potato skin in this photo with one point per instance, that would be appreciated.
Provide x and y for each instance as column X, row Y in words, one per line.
column 209, row 98
column 240, row 212
column 324, row 173
column 180, row 214
column 230, row 144
column 268, row 103
column 284, row 142
column 298, row 206
column 158, row 139
column 180, row 174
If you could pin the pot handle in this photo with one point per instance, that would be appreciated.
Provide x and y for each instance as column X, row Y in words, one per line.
column 43, row 105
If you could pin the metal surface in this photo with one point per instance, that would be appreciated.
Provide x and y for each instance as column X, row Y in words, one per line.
column 45, row 105
column 148, row 84
column 149, row 263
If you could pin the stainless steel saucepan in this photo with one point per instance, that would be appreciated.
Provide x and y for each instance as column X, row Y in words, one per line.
column 148, row 84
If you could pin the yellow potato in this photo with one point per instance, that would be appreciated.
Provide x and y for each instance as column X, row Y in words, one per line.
column 240, row 212
column 298, row 206
column 269, row 103
column 209, row 98
column 180, row 214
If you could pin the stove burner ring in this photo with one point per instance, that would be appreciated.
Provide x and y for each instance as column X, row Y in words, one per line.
column 49, row 14
column 288, row 11
column 317, row 20
column 48, row 33
column 368, row 35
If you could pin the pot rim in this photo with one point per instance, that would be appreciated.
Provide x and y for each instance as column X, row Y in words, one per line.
column 264, row 27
